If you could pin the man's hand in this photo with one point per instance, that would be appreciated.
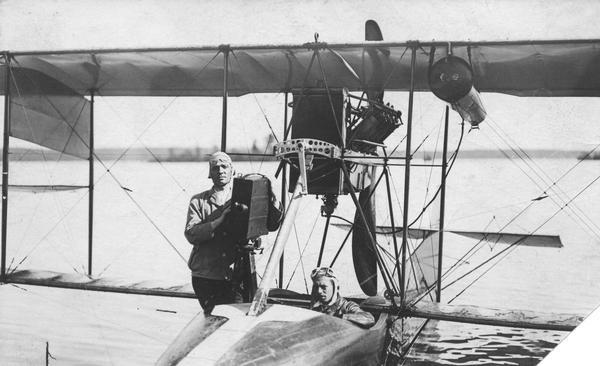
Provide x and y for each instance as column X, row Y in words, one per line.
column 219, row 220
column 272, row 196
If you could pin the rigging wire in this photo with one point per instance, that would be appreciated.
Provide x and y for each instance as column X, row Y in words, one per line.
column 112, row 175
column 452, row 160
column 266, row 118
column 389, row 77
column 482, row 274
column 525, row 236
column 466, row 256
column 335, row 118
column 146, row 128
column 301, row 97
column 141, row 231
column 558, row 195
column 257, row 102
column 537, row 184
column 437, row 192
column 433, row 248
column 543, row 176
column 476, row 247
column 49, row 232
column 58, row 206
column 301, row 254
column 437, row 140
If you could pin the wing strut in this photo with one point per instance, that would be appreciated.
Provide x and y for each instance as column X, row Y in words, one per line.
column 260, row 297
column 407, row 172
column 438, row 291
column 5, row 166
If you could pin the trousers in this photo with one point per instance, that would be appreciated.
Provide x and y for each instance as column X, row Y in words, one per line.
column 215, row 292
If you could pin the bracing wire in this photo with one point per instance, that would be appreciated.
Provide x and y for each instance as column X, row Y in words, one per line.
column 107, row 170
column 526, row 236
column 476, row 247
column 437, row 140
column 63, row 119
column 543, row 176
column 266, row 118
column 257, row 102
column 452, row 160
column 437, row 192
column 470, row 252
column 543, row 179
column 335, row 118
column 297, row 103
column 537, row 184
column 301, row 254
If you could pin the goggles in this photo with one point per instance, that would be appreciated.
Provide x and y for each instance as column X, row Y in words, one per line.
column 322, row 271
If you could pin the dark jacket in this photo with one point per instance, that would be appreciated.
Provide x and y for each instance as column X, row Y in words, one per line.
column 345, row 309
column 213, row 252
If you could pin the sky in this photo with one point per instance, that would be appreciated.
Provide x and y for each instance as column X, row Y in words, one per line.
column 85, row 24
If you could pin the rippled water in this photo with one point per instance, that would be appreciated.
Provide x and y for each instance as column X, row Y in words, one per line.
column 49, row 231
column 443, row 343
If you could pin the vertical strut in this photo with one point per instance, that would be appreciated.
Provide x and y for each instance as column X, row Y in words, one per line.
column 283, row 185
column 91, row 185
column 386, row 172
column 5, row 165
column 407, row 173
column 225, row 50
column 438, row 292
column 323, row 241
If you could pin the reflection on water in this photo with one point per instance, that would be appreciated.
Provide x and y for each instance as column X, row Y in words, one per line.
column 445, row 343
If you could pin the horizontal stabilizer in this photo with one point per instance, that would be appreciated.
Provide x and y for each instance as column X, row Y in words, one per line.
column 387, row 230
column 496, row 317
column 523, row 239
column 547, row 241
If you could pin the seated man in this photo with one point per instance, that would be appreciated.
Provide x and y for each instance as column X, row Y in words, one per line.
column 326, row 299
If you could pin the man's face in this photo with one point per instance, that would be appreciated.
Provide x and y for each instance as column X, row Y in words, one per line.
column 324, row 288
column 220, row 173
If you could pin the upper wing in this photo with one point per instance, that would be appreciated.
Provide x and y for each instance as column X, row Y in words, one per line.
column 536, row 68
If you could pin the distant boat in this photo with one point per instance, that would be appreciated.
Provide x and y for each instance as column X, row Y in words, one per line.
column 587, row 156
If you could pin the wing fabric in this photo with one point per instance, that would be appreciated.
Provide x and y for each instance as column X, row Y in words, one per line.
column 536, row 68
column 48, row 113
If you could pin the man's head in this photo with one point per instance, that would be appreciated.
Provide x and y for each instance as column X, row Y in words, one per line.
column 325, row 285
column 220, row 169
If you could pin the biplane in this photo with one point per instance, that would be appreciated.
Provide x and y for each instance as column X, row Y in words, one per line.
column 333, row 147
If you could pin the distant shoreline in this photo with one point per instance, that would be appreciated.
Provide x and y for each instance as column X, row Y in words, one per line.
column 200, row 154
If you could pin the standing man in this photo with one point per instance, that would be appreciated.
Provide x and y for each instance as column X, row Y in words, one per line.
column 214, row 252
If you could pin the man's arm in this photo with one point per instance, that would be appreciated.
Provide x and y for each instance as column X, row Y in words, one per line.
column 199, row 228
column 353, row 312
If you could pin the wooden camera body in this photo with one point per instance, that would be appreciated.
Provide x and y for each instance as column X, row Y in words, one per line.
column 249, row 207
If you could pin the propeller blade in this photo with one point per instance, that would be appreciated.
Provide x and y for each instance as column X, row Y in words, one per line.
column 363, row 255
column 372, row 31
